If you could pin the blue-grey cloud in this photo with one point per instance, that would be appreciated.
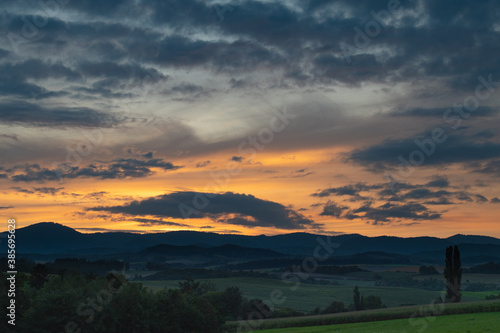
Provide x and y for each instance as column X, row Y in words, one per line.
column 390, row 212
column 34, row 115
column 481, row 111
column 202, row 164
column 116, row 169
column 333, row 209
column 228, row 208
column 403, row 200
column 455, row 149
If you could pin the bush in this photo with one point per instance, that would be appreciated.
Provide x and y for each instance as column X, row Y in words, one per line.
column 427, row 270
column 334, row 307
column 373, row 302
column 490, row 297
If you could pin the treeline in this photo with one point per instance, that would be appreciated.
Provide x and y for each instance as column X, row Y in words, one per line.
column 408, row 282
column 198, row 273
column 76, row 302
column 61, row 266
column 338, row 270
column 360, row 302
column 369, row 258
column 488, row 268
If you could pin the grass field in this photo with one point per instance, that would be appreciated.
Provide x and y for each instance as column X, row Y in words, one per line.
column 412, row 319
column 307, row 297
column 463, row 323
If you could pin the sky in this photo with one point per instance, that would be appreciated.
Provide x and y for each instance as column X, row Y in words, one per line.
column 252, row 117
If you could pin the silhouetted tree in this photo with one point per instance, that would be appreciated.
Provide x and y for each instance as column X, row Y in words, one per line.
column 457, row 273
column 255, row 309
column 357, row 299
column 39, row 274
column 334, row 307
column 453, row 274
column 427, row 270
column 372, row 302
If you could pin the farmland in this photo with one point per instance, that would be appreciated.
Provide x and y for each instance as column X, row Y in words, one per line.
column 308, row 296
column 463, row 323
column 409, row 319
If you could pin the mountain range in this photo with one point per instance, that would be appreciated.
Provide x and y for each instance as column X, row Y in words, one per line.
column 48, row 239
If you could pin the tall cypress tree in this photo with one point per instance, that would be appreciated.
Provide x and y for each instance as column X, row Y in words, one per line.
column 457, row 274
column 357, row 299
column 453, row 274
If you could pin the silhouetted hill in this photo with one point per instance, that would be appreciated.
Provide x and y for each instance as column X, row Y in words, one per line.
column 48, row 237
column 470, row 254
column 473, row 239
column 392, row 244
column 56, row 239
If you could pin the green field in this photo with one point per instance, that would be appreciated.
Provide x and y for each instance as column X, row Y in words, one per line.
column 467, row 278
column 412, row 317
column 307, row 296
column 463, row 323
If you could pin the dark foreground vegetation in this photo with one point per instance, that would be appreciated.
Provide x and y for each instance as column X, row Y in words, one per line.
column 76, row 302
column 73, row 301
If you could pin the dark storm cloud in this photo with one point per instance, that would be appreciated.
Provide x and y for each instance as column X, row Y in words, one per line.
column 389, row 212
column 149, row 154
column 439, row 182
column 423, row 193
column 113, row 70
column 3, row 53
column 96, row 195
column 14, row 78
column 202, row 164
column 48, row 190
column 42, row 190
column 455, row 149
column 333, row 209
column 180, row 51
column 348, row 190
column 22, row 190
column 117, row 169
column 403, row 200
column 37, row 69
column 229, row 208
column 255, row 35
column 187, row 92
column 285, row 28
column 237, row 158
column 34, row 115
column 481, row 111
column 491, row 167
column 27, row 90
column 480, row 198
column 441, row 197
column 99, row 8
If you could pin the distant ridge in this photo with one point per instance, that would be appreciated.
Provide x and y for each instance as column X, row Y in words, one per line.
column 55, row 238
